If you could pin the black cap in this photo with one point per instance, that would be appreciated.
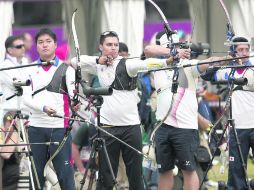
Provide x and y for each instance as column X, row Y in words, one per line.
column 239, row 39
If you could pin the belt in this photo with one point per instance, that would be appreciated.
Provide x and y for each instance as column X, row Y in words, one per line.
column 106, row 126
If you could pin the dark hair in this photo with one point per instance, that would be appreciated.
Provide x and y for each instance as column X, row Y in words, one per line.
column 9, row 41
column 123, row 47
column 45, row 31
column 239, row 39
column 106, row 34
column 158, row 37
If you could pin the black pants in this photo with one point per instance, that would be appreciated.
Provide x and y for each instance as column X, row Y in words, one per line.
column 61, row 162
column 10, row 175
column 132, row 160
column 236, row 177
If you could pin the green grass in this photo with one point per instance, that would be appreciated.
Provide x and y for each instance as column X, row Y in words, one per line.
column 215, row 175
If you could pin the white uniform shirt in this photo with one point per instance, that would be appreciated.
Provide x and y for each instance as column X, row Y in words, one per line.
column 41, row 77
column 119, row 109
column 6, row 83
column 184, row 112
column 242, row 100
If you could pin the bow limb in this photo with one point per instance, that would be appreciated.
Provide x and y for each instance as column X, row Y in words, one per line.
column 167, row 28
column 169, row 33
column 163, row 119
column 230, row 31
column 76, row 44
column 75, row 97
column 227, row 16
column 59, row 148
column 75, row 37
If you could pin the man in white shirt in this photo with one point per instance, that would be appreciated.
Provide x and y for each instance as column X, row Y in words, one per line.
column 242, row 113
column 51, row 85
column 119, row 112
column 176, row 140
column 14, row 57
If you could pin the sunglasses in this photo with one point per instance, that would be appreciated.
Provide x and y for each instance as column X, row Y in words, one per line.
column 107, row 33
column 18, row 46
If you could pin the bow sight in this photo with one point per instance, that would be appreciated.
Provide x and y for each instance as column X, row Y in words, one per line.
column 197, row 49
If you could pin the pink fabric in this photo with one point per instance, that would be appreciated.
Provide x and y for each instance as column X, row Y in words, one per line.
column 66, row 110
column 240, row 71
column 62, row 51
column 179, row 97
column 72, row 162
column 46, row 67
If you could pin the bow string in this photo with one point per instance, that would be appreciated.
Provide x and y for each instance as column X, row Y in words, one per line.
column 230, row 30
column 75, row 97
column 169, row 32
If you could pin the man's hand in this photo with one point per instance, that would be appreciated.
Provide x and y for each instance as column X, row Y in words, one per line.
column 105, row 60
column 76, row 107
column 170, row 60
column 48, row 110
column 184, row 53
column 226, row 62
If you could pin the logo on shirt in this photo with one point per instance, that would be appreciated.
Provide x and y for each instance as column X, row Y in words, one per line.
column 187, row 163
column 66, row 162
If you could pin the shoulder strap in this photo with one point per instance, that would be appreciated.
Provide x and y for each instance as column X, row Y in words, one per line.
column 57, row 82
column 122, row 80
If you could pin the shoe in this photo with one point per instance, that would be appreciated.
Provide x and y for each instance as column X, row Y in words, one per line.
column 211, row 183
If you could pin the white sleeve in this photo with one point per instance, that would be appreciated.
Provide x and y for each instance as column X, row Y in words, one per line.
column 133, row 66
column 70, row 81
column 195, row 69
column 38, row 106
column 30, row 102
column 87, row 63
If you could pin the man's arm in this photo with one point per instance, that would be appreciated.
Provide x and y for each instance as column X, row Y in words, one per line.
column 70, row 81
column 37, row 106
column 87, row 63
column 30, row 102
column 204, row 67
column 160, row 51
column 76, row 158
column 133, row 66
column 156, row 50
column 203, row 122
column 78, row 141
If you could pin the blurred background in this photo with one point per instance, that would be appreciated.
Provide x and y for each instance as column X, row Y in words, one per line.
column 136, row 21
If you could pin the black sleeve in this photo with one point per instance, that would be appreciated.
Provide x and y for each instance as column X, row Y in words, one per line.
column 209, row 74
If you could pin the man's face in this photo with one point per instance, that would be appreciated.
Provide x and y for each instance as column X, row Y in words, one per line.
column 243, row 50
column 46, row 47
column 28, row 41
column 110, row 46
column 17, row 50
